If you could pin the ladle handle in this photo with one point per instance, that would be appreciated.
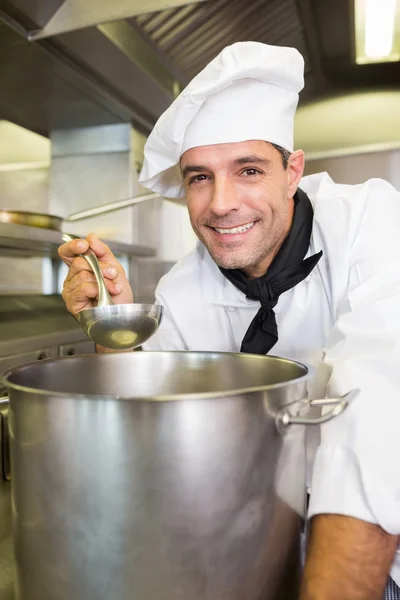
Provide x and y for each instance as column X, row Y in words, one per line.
column 104, row 297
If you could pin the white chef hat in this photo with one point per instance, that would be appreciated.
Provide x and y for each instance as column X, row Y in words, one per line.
column 248, row 92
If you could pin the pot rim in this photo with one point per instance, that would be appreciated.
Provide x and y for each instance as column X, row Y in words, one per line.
column 160, row 397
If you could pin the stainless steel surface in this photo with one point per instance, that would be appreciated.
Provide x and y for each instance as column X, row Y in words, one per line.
column 121, row 326
column 7, row 575
column 32, row 219
column 22, row 186
column 41, row 241
column 110, row 207
column 46, row 221
column 116, row 326
column 133, row 45
column 54, row 91
column 74, row 14
column 85, row 79
column 90, row 140
column 75, row 348
column 37, row 327
column 35, row 344
column 98, row 178
column 192, row 35
column 35, row 323
column 15, row 359
column 157, row 475
column 4, row 440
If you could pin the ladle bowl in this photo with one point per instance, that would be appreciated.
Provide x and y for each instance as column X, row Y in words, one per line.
column 116, row 326
column 121, row 326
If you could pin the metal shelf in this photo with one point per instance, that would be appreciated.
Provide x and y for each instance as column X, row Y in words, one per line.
column 21, row 240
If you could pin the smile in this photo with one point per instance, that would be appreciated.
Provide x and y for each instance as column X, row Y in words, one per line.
column 239, row 229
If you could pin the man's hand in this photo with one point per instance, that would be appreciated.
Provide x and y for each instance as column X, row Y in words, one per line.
column 80, row 288
column 347, row 559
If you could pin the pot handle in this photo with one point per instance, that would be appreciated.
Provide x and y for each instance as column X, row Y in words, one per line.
column 284, row 418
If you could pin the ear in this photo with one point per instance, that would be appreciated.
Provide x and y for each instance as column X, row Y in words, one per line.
column 295, row 171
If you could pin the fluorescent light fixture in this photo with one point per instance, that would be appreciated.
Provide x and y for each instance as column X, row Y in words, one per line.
column 377, row 30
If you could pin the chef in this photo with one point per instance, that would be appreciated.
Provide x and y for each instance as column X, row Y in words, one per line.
column 300, row 267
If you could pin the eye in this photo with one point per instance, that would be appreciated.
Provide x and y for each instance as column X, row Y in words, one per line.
column 249, row 172
column 197, row 179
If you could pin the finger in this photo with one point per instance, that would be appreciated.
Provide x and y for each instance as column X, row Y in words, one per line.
column 67, row 252
column 81, row 297
column 79, row 264
column 109, row 271
column 70, row 284
column 103, row 252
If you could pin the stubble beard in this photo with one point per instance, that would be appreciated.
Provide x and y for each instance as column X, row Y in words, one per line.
column 235, row 257
column 251, row 254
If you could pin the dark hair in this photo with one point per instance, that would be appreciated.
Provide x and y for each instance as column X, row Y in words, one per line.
column 284, row 154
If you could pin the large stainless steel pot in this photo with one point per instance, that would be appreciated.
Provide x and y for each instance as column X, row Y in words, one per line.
column 158, row 476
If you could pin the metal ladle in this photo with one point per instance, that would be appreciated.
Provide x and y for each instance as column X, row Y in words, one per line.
column 116, row 326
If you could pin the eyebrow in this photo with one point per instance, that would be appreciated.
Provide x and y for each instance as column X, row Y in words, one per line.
column 243, row 160
column 252, row 158
column 193, row 169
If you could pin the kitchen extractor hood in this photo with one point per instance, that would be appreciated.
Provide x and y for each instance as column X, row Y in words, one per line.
column 78, row 14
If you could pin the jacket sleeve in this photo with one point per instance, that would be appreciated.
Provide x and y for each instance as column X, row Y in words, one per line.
column 357, row 466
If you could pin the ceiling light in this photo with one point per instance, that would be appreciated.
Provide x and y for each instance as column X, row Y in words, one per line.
column 377, row 30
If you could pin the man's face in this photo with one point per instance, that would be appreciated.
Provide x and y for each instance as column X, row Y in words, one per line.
column 239, row 198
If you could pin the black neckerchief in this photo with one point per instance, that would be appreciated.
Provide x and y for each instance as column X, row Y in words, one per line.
column 286, row 270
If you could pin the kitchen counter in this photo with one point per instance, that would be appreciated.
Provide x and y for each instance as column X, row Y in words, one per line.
column 24, row 337
column 31, row 322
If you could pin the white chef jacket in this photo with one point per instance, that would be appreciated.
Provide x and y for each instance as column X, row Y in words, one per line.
column 344, row 319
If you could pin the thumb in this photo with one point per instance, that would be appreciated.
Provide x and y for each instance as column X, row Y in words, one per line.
column 101, row 249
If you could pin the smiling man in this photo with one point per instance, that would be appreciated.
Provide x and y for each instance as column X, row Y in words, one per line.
column 226, row 190
column 302, row 267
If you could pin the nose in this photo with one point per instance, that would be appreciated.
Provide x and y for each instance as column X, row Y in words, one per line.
column 224, row 196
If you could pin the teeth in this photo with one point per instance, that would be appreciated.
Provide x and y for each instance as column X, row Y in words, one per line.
column 235, row 229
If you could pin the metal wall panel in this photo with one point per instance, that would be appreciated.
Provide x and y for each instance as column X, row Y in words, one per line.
column 23, row 190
